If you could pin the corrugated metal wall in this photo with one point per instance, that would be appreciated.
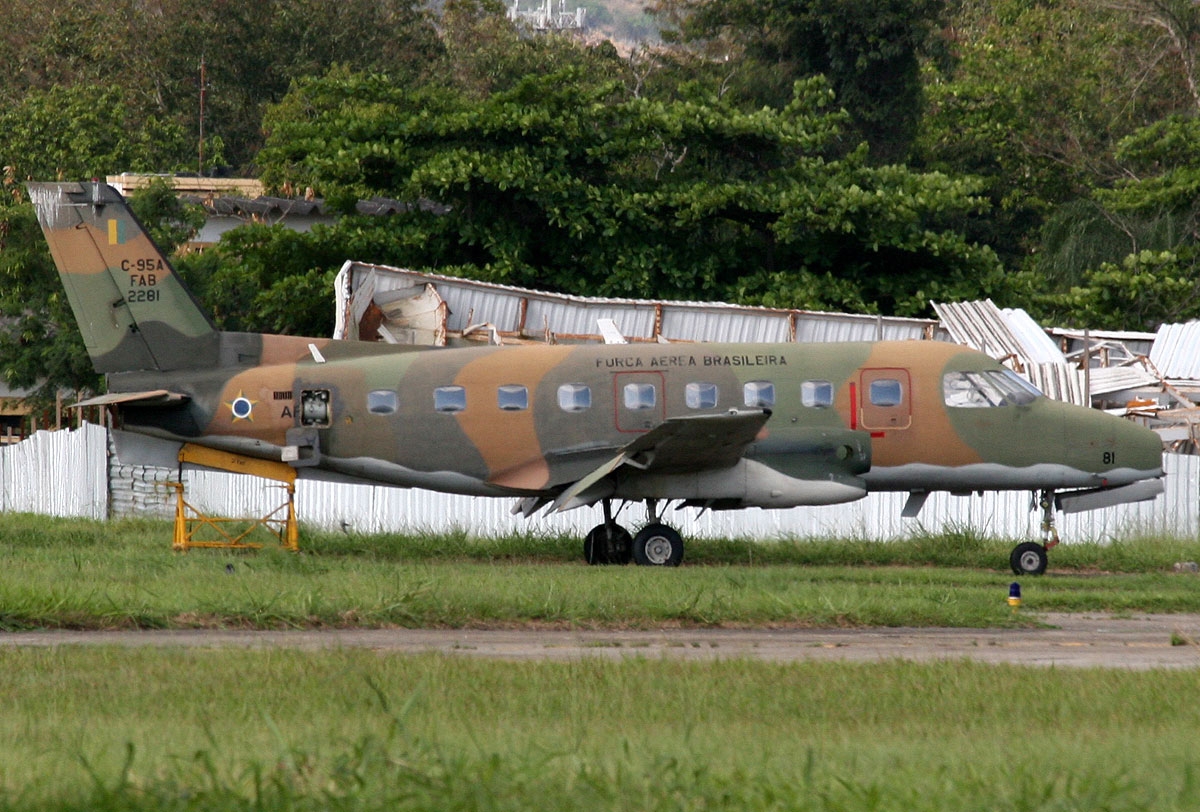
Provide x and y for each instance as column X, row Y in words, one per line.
column 370, row 509
column 57, row 473
column 65, row 474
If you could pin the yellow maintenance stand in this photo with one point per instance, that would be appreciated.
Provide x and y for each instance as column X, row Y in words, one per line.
column 226, row 533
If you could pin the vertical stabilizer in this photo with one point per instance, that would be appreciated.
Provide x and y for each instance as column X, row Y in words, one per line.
column 133, row 309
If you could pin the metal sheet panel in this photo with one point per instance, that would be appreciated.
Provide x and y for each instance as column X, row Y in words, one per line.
column 1058, row 381
column 1176, row 351
column 1104, row 380
column 998, row 333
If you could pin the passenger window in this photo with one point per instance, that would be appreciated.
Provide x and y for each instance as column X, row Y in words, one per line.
column 759, row 393
column 449, row 399
column 574, row 397
column 381, row 401
column 886, row 392
column 512, row 398
column 639, row 396
column 700, row 395
column 816, row 394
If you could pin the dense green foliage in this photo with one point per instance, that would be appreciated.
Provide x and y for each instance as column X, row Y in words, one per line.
column 562, row 184
column 869, row 50
column 871, row 155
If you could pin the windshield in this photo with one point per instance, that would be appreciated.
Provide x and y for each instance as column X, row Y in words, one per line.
column 987, row 389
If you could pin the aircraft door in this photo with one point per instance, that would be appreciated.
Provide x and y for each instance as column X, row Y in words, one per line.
column 639, row 400
column 885, row 399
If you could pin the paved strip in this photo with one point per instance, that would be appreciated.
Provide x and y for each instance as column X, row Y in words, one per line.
column 1135, row 642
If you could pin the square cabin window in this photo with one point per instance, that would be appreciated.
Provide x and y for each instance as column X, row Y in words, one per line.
column 449, row 399
column 760, row 394
column 381, row 401
column 700, row 395
column 512, row 398
column 886, row 392
column 639, row 396
column 574, row 397
column 816, row 394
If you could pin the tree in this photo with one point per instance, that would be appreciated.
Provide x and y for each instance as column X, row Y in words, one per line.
column 560, row 184
column 1034, row 100
column 252, row 50
column 1137, row 262
column 84, row 131
column 869, row 50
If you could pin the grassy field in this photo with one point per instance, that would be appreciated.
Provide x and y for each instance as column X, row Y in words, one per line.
column 108, row 729
column 87, row 728
column 79, row 574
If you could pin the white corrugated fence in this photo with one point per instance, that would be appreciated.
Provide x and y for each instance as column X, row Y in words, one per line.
column 69, row 473
column 57, row 473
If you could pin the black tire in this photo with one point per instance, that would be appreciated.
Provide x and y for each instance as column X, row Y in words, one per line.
column 1029, row 558
column 658, row 545
column 608, row 544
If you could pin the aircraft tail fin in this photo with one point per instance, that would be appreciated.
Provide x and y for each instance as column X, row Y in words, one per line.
column 133, row 309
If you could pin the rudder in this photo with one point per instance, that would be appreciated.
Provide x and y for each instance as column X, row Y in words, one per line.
column 133, row 309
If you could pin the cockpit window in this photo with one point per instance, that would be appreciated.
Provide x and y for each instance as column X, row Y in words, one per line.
column 987, row 389
column 1017, row 390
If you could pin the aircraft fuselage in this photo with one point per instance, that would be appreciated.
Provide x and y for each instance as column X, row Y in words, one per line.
column 532, row 419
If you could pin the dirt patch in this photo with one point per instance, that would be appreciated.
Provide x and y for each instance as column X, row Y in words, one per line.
column 1093, row 640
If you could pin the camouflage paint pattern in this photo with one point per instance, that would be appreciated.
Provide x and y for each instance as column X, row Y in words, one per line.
column 368, row 410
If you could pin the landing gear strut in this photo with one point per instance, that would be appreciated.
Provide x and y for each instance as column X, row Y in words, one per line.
column 656, row 545
column 1029, row 557
column 608, row 543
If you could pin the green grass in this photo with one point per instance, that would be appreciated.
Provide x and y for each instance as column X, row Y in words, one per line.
column 80, row 574
column 87, row 728
column 109, row 729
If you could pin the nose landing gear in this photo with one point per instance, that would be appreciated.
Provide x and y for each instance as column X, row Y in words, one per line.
column 656, row 545
column 1029, row 557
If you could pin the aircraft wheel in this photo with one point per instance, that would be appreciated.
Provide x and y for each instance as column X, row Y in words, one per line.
column 658, row 545
column 608, row 544
column 1029, row 558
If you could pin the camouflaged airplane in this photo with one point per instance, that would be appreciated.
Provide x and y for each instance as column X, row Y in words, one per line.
column 717, row 426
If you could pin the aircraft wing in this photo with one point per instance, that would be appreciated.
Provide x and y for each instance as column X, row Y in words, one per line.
column 154, row 397
column 692, row 443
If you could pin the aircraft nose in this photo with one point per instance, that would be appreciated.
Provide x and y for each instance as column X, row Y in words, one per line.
column 1118, row 450
column 1138, row 448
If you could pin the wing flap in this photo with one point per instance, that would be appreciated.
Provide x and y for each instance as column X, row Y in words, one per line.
column 692, row 442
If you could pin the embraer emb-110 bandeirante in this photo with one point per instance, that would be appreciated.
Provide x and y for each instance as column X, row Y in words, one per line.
column 717, row 426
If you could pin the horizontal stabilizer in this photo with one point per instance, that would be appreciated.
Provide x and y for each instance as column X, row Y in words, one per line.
column 154, row 397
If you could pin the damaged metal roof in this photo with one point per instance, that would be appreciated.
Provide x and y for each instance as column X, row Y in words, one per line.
column 365, row 292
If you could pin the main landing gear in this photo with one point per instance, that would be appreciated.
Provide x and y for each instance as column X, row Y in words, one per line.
column 656, row 545
column 1029, row 557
